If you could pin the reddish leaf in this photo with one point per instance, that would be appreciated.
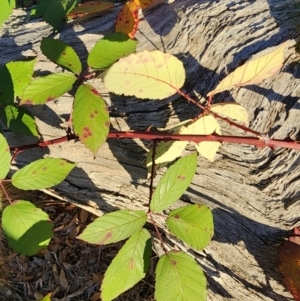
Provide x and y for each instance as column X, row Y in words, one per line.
column 91, row 7
column 127, row 20
column 289, row 256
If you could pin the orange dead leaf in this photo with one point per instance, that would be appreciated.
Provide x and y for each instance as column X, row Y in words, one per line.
column 254, row 71
column 127, row 20
column 147, row 3
column 289, row 265
column 91, row 7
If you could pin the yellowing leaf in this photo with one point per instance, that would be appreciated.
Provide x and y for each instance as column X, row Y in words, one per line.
column 127, row 20
column 147, row 3
column 205, row 125
column 90, row 7
column 231, row 110
column 154, row 75
column 253, row 71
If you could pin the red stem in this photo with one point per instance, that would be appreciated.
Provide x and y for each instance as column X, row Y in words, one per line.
column 258, row 142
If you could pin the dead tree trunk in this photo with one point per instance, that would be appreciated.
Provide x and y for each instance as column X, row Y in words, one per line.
column 253, row 193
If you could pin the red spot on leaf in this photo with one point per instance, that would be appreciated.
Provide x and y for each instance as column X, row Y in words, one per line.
column 173, row 262
column 96, row 112
column 177, row 216
column 63, row 53
column 107, row 124
column 95, row 92
column 69, row 65
column 92, row 115
column 86, row 132
column 181, row 178
column 28, row 102
column 45, row 168
column 34, row 172
column 50, row 99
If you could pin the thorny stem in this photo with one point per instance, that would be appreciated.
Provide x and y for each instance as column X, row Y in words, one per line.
column 152, row 171
column 261, row 141
column 189, row 99
column 158, row 233
column 5, row 192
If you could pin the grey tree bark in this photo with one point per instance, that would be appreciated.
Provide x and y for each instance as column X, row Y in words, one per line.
column 253, row 193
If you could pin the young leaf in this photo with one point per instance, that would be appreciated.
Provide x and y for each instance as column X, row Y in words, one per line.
column 109, row 49
column 47, row 88
column 147, row 3
column 205, row 125
column 127, row 19
column 90, row 118
column 61, row 54
column 19, row 120
column 231, row 110
column 5, row 157
column 154, row 75
column 128, row 267
column 174, row 183
column 21, row 74
column 254, row 71
column 180, row 278
column 6, row 87
column 47, row 297
column 114, row 227
column 26, row 227
column 42, row 173
column 6, row 9
column 193, row 224
column 54, row 11
column 90, row 7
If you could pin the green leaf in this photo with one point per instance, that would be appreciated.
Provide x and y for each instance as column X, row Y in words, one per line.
column 193, row 224
column 6, row 10
column 19, row 120
column 54, row 11
column 174, row 183
column 42, row 173
column 128, row 267
column 114, row 227
column 109, row 49
column 5, row 157
column 6, row 87
column 47, row 88
column 21, row 74
column 47, row 297
column 180, row 278
column 154, row 75
column 90, row 118
column 26, row 227
column 61, row 54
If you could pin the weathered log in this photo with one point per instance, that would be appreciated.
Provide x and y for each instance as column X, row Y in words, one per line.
column 253, row 193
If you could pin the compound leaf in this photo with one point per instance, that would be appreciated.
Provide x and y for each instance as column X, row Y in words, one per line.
column 147, row 3
column 6, row 10
column 90, row 117
column 127, row 19
column 47, row 88
column 185, row 276
column 6, row 87
column 128, row 267
column 114, row 227
column 231, row 110
column 42, row 173
column 91, row 7
column 19, row 120
column 193, row 224
column 174, row 183
column 5, row 157
column 154, row 75
column 21, row 74
column 61, row 54
column 26, row 227
column 109, row 49
column 205, row 125
column 253, row 71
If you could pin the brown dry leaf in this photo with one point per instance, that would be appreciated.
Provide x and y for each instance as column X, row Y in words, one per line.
column 289, row 266
column 63, row 280
column 83, row 215
column 253, row 71
column 95, row 297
